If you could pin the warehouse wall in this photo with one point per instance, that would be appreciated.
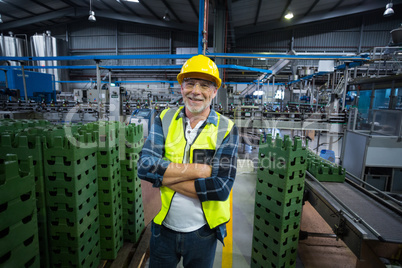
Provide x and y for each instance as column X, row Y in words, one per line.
column 351, row 35
column 107, row 37
column 342, row 35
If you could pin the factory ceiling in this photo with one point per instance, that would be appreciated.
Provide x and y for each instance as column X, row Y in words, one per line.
column 244, row 16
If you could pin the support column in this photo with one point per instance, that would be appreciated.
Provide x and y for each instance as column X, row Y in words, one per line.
column 201, row 14
column 98, row 87
column 345, row 86
column 317, row 97
column 273, row 89
column 219, row 47
column 393, row 99
column 372, row 96
column 312, row 90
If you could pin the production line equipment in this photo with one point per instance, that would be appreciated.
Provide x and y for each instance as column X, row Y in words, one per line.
column 144, row 117
column 365, row 219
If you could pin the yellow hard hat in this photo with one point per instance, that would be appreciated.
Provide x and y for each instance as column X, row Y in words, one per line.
column 202, row 67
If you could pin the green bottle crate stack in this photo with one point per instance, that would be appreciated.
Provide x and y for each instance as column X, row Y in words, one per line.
column 86, row 191
column 324, row 170
column 27, row 143
column 133, row 211
column 278, row 202
column 19, row 244
column 72, row 199
column 109, row 177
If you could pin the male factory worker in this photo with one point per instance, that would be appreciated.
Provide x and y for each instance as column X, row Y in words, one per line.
column 191, row 155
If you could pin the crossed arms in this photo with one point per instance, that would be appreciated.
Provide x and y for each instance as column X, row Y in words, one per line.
column 194, row 180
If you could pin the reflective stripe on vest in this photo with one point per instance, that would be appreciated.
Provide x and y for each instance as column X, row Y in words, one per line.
column 211, row 137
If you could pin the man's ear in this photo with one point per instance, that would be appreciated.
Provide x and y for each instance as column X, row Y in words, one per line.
column 215, row 92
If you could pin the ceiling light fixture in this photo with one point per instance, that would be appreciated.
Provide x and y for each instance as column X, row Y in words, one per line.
column 1, row 21
column 166, row 17
column 91, row 17
column 135, row 1
column 289, row 15
column 388, row 10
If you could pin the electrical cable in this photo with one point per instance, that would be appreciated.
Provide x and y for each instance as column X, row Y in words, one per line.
column 327, row 143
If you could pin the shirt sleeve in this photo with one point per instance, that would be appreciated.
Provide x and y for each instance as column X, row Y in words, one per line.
column 151, row 164
column 218, row 186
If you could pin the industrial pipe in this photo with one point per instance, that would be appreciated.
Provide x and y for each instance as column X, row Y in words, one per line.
column 99, row 86
column 346, row 86
column 205, row 30
column 200, row 26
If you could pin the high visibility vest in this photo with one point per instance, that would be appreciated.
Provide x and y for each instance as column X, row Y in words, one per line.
column 210, row 138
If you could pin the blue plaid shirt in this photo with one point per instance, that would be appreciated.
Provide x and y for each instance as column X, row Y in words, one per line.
column 152, row 165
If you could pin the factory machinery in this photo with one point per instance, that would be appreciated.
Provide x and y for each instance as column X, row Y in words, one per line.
column 366, row 218
column 115, row 103
column 288, row 174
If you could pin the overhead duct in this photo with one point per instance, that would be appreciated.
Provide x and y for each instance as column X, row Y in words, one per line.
column 276, row 68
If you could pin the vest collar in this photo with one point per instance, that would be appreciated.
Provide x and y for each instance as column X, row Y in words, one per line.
column 212, row 117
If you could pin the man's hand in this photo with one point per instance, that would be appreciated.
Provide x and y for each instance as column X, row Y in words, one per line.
column 186, row 188
column 176, row 173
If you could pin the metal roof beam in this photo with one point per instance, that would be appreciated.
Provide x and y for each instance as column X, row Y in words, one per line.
column 336, row 5
column 129, row 8
column 69, row 3
column 108, row 6
column 285, row 9
column 258, row 12
column 171, row 11
column 275, row 24
column 81, row 12
column 19, row 7
column 142, row 2
column 193, row 7
column 153, row 22
column 311, row 7
column 43, row 5
column 44, row 17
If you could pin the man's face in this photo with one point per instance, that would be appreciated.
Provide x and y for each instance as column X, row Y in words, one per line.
column 197, row 94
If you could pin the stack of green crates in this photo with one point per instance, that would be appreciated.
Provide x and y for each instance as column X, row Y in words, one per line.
column 278, row 202
column 14, row 126
column 25, row 145
column 88, row 195
column 71, row 198
column 324, row 170
column 19, row 245
column 133, row 211
column 21, row 137
column 110, row 207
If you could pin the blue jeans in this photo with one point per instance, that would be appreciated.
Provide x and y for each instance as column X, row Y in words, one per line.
column 167, row 247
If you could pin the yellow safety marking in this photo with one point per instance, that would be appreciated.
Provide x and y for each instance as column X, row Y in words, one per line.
column 227, row 251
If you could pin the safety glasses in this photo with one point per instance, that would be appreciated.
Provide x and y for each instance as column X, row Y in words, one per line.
column 204, row 85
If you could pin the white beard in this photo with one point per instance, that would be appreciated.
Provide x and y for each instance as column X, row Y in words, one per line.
column 198, row 109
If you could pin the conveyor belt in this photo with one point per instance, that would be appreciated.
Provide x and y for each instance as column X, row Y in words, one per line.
column 354, row 215
column 386, row 222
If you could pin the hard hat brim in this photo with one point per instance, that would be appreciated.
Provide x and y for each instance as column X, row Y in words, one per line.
column 204, row 76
